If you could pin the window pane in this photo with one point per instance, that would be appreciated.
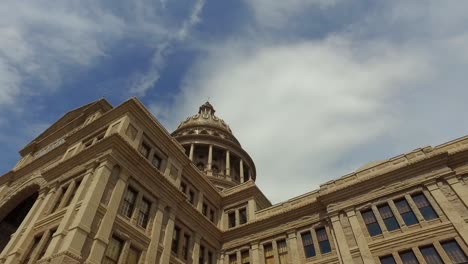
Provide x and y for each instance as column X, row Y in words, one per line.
column 175, row 240
column 454, row 252
column 133, row 256
column 233, row 259
column 232, row 219
column 113, row 250
column 322, row 238
column 409, row 218
column 309, row 250
column 387, row 260
column 406, row 213
column 388, row 218
column 430, row 255
column 424, row 206
column 245, row 256
column 242, row 216
column 128, row 203
column 371, row 223
column 408, row 257
column 402, row 206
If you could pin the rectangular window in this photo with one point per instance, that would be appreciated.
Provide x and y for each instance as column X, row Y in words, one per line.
column 191, row 197
column 185, row 246
column 282, row 251
column 183, row 187
column 454, row 252
column 143, row 213
column 233, row 259
column 128, row 202
column 175, row 240
column 322, row 238
column 201, row 257
column 232, row 219
column 268, row 252
column 242, row 216
column 406, row 213
column 309, row 250
column 245, row 257
column 212, row 216
column 389, row 219
column 371, row 223
column 205, row 209
column 145, row 149
column 210, row 257
column 387, row 260
column 113, row 251
column 156, row 161
column 133, row 256
column 424, row 206
column 408, row 257
column 430, row 255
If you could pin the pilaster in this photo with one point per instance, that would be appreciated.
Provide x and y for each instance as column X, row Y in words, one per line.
column 340, row 240
column 360, row 238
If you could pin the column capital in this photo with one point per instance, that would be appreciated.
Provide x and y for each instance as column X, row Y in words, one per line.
column 432, row 185
column 350, row 212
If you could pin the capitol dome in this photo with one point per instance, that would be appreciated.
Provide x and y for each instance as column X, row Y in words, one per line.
column 212, row 147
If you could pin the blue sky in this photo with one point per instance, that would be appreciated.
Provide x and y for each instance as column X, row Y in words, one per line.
column 313, row 89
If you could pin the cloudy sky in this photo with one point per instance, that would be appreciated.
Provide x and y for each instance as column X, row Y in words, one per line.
column 313, row 89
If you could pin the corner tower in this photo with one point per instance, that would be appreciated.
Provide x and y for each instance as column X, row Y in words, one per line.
column 211, row 146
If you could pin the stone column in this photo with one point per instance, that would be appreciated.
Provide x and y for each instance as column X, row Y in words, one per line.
column 210, row 159
column 81, row 225
column 166, row 253
column 124, row 254
column 293, row 252
column 360, row 238
column 19, row 241
column 415, row 210
column 200, row 202
column 241, row 170
column 192, row 147
column 101, row 240
column 67, row 195
column 458, row 188
column 255, row 253
column 152, row 253
column 196, row 248
column 451, row 213
column 251, row 208
column 380, row 221
column 340, row 240
column 228, row 164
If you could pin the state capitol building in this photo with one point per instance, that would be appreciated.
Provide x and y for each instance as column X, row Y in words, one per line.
column 108, row 184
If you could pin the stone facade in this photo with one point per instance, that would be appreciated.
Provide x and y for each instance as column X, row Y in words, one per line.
column 110, row 185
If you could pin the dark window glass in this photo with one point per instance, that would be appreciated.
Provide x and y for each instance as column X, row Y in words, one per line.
column 233, row 259
column 424, row 206
column 245, row 257
column 212, row 215
column 114, row 248
column 388, row 217
column 371, row 223
column 387, row 260
column 232, row 219
column 430, row 255
column 210, row 257
column 143, row 214
column 145, row 149
column 183, row 187
column 185, row 246
column 322, row 238
column 309, row 250
column 204, row 209
column 408, row 257
column 406, row 212
column 191, row 197
column 128, row 203
column 175, row 240
column 268, row 253
column 201, row 258
column 454, row 251
column 242, row 216
column 156, row 161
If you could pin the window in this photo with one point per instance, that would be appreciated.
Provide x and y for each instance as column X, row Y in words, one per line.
column 212, row 216
column 268, row 252
column 191, row 197
column 46, row 244
column 143, row 213
column 424, row 207
column 201, row 257
column 205, row 209
column 128, row 202
column 60, row 195
column 175, row 240
column 408, row 257
column 454, row 252
column 145, row 149
column 242, row 216
column 245, row 257
column 282, row 251
column 430, row 255
column 31, row 249
column 233, row 259
column 210, row 257
column 133, row 256
column 406, row 212
column 232, row 219
column 387, row 260
column 371, row 223
column 156, row 161
column 388, row 217
column 309, row 250
column 183, row 187
column 322, row 238
column 185, row 246
column 113, row 251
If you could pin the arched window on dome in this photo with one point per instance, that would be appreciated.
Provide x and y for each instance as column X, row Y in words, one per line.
column 204, row 132
column 201, row 166
column 215, row 170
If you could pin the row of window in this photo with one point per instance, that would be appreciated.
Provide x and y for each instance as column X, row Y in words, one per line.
column 63, row 199
column 128, row 205
column 403, row 208
column 237, row 217
column 180, row 247
column 430, row 254
column 322, row 240
column 114, row 252
column 152, row 153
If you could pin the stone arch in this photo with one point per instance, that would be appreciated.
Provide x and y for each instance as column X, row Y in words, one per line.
column 16, row 204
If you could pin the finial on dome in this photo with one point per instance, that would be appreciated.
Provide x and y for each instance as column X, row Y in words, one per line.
column 206, row 108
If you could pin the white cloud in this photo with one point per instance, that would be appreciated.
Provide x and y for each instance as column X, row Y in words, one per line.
column 301, row 107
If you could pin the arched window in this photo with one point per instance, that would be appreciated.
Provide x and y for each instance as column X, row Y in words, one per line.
column 201, row 166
